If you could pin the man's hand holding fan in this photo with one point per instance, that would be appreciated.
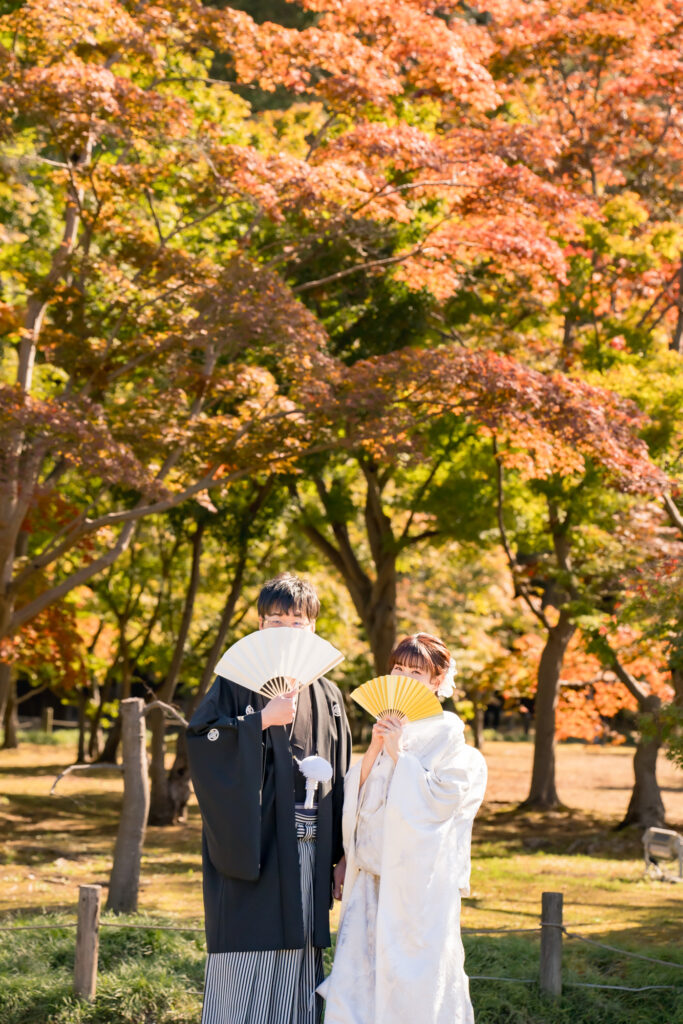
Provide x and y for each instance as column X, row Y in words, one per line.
column 280, row 710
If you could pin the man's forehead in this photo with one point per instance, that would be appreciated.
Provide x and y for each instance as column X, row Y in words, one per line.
column 293, row 612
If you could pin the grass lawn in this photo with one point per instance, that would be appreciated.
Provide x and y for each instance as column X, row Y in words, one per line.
column 53, row 844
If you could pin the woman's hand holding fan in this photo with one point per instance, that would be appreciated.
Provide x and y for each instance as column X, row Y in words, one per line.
column 390, row 728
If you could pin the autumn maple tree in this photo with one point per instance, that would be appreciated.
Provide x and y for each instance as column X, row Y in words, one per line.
column 375, row 250
column 155, row 344
column 127, row 384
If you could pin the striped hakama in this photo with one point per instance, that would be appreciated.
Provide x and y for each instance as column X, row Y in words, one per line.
column 271, row 986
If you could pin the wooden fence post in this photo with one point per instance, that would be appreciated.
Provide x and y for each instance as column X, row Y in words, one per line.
column 47, row 719
column 87, row 941
column 125, row 874
column 551, row 944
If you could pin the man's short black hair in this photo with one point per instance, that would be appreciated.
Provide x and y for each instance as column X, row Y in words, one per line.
column 287, row 593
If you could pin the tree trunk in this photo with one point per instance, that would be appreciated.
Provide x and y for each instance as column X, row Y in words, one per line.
column 374, row 600
column 11, row 722
column 82, row 702
column 645, row 807
column 380, row 615
column 677, row 681
column 543, row 792
column 21, row 459
column 478, row 725
column 125, row 875
column 161, row 805
column 95, row 737
column 380, row 611
column 5, row 684
column 96, row 732
column 111, row 744
column 179, row 779
column 677, row 338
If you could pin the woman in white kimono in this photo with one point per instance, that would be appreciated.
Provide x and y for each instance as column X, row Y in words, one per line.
column 407, row 824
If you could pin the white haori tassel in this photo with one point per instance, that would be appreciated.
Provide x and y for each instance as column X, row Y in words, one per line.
column 314, row 769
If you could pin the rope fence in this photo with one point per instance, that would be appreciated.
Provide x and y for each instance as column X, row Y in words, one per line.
column 624, row 952
column 35, row 927
column 551, row 930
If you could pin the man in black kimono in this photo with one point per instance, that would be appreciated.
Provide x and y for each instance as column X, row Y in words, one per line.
column 269, row 866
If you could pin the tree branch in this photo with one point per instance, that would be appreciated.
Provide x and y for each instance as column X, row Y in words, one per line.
column 446, row 451
column 95, row 767
column 168, row 708
column 372, row 265
column 358, row 580
column 32, row 693
column 168, row 688
column 629, row 681
column 144, row 634
column 82, row 526
column 148, row 197
column 389, row 189
column 377, row 523
column 85, row 573
column 357, row 586
column 512, row 562
column 415, row 538
column 417, row 498
column 675, row 515
column 325, row 546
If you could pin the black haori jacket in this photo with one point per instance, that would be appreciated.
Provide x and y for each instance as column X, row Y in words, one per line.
column 243, row 781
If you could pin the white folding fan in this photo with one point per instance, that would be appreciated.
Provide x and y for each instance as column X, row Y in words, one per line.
column 403, row 696
column 273, row 661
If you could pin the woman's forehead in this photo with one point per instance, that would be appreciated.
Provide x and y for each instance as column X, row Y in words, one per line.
column 412, row 660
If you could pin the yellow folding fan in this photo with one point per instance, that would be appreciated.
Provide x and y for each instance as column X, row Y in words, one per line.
column 397, row 695
column 273, row 661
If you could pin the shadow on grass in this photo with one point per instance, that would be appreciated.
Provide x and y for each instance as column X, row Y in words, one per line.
column 39, row 828
column 42, row 805
column 563, row 831
column 178, row 867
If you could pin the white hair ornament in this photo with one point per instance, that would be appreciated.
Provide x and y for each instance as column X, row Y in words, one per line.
column 447, row 684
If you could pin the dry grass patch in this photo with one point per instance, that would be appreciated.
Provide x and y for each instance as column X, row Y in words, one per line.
column 53, row 844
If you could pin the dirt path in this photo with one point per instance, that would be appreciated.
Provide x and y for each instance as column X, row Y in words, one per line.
column 594, row 779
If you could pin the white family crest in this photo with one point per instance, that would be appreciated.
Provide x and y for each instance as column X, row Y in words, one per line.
column 212, row 735
column 336, row 710
column 249, row 710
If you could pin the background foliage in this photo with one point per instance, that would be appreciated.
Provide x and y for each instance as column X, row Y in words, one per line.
column 389, row 294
